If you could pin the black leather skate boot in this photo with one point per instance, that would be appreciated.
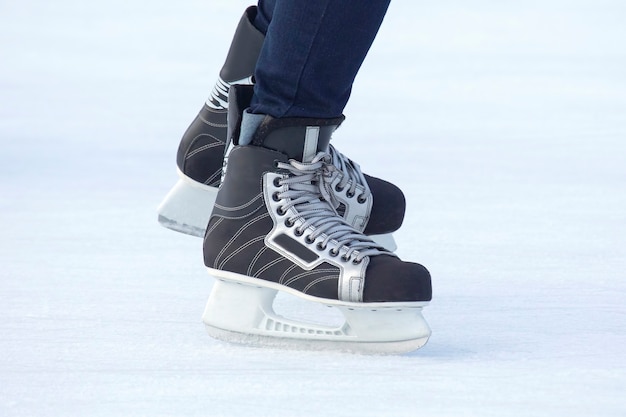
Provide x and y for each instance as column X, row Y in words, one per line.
column 274, row 227
column 371, row 205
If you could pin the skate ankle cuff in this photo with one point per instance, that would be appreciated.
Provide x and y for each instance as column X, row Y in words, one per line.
column 244, row 50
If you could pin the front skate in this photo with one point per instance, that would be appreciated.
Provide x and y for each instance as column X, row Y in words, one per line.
column 274, row 228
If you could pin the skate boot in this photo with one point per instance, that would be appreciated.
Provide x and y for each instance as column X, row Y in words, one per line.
column 371, row 205
column 274, row 228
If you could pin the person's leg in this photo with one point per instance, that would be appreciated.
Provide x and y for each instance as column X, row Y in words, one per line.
column 311, row 54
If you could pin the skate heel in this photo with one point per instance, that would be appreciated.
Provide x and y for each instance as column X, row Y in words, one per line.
column 187, row 207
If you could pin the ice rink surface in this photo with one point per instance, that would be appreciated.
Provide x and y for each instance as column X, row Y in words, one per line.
column 503, row 122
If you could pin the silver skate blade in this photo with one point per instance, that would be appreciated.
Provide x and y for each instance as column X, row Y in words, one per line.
column 241, row 311
column 187, row 206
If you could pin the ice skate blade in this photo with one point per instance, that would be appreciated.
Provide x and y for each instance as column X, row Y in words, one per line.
column 187, row 207
column 240, row 310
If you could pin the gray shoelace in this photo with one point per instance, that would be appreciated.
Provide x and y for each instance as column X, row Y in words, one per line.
column 352, row 175
column 308, row 194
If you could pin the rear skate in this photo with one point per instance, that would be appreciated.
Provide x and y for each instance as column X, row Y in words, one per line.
column 369, row 204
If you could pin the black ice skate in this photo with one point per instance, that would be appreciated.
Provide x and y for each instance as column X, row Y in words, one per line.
column 274, row 228
column 371, row 205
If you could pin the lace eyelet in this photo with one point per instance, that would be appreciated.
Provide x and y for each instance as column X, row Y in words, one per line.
column 281, row 211
column 320, row 246
column 275, row 197
column 361, row 199
column 333, row 252
column 338, row 189
column 289, row 223
column 356, row 262
column 349, row 194
column 345, row 259
column 277, row 182
column 298, row 232
column 275, row 163
column 309, row 240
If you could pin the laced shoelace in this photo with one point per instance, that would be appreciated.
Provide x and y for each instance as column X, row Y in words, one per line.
column 307, row 192
column 352, row 175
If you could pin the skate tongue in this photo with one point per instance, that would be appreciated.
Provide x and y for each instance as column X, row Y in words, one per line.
column 299, row 138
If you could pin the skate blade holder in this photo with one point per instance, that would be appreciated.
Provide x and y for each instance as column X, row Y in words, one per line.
column 243, row 313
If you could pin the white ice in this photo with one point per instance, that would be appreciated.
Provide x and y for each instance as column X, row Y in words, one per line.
column 503, row 122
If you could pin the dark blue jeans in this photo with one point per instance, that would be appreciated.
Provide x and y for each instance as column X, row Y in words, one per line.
column 312, row 52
